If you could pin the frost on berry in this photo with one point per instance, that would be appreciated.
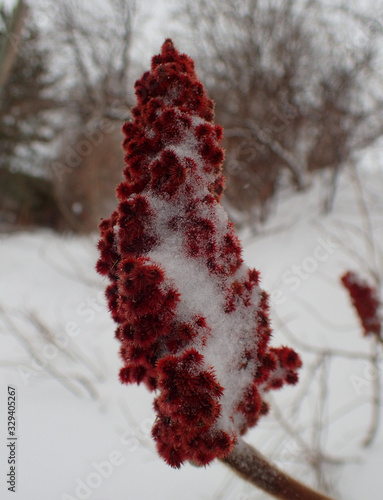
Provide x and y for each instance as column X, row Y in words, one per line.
column 191, row 318
column 365, row 300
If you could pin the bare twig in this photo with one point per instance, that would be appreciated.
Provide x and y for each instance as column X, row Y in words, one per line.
column 370, row 240
column 375, row 403
column 74, row 354
column 318, row 350
column 319, row 421
column 64, row 381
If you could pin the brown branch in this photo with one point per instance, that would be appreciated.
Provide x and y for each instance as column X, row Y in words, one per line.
column 252, row 466
column 10, row 46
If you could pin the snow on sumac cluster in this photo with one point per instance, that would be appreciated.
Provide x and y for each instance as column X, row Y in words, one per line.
column 192, row 320
column 365, row 300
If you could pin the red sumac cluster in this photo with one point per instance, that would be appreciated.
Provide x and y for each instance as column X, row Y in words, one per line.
column 192, row 320
column 365, row 300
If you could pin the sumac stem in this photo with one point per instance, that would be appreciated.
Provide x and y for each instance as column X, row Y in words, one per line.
column 255, row 468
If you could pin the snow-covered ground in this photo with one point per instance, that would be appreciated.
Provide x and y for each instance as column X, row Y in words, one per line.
column 80, row 434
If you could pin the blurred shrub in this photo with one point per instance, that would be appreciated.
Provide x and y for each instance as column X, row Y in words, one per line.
column 293, row 91
column 27, row 201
